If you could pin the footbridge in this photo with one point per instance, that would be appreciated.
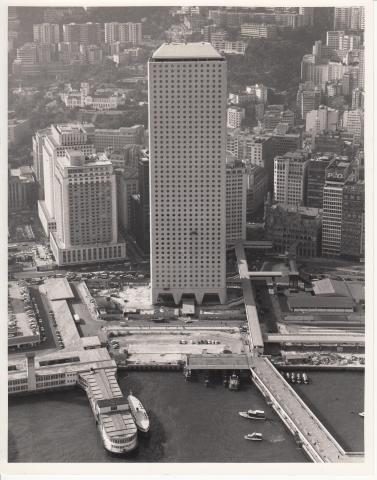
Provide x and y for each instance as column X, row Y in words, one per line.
column 315, row 339
column 255, row 333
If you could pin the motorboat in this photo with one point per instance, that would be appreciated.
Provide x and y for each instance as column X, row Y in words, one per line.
column 234, row 382
column 362, row 414
column 298, row 377
column 253, row 414
column 139, row 414
column 293, row 377
column 254, row 437
column 305, row 378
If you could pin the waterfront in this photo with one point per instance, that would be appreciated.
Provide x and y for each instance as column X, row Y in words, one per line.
column 190, row 423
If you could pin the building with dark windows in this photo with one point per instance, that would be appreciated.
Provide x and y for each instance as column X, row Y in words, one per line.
column 139, row 207
column 316, row 175
column 353, row 218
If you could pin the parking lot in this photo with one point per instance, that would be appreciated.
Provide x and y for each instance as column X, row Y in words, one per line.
column 182, row 341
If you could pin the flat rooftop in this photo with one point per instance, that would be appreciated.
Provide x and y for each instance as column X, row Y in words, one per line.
column 57, row 288
column 184, row 51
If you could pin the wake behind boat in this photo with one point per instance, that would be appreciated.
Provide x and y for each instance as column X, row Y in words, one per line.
column 253, row 414
column 139, row 414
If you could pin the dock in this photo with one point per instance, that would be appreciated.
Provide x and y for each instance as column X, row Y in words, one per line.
column 319, row 445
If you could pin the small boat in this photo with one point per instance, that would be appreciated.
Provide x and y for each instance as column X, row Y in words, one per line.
column 293, row 377
column 287, row 376
column 362, row 414
column 139, row 414
column 188, row 375
column 305, row 378
column 298, row 377
column 234, row 382
column 255, row 437
column 206, row 382
column 253, row 414
column 225, row 382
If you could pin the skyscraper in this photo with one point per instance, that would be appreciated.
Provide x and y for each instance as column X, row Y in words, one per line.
column 336, row 174
column 187, row 122
column 85, row 210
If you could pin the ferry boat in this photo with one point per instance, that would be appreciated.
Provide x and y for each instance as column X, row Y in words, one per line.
column 139, row 414
column 362, row 414
column 234, row 382
column 293, row 377
column 117, row 428
column 305, row 378
column 298, row 377
column 253, row 414
column 255, row 437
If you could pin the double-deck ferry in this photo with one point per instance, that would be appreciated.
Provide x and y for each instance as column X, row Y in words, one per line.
column 116, row 425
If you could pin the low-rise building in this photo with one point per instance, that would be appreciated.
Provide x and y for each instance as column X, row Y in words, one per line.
column 22, row 189
column 293, row 230
column 308, row 303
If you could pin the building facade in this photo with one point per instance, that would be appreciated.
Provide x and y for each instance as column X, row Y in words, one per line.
column 236, row 183
column 353, row 219
column 85, row 211
column 290, row 172
column 316, row 175
column 187, row 135
column 336, row 174
column 293, row 230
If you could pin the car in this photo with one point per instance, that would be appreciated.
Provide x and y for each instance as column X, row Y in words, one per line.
column 183, row 342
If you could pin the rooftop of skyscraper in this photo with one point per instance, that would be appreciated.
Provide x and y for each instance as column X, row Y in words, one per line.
column 197, row 50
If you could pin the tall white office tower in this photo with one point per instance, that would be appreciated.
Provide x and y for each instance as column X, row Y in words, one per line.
column 187, row 143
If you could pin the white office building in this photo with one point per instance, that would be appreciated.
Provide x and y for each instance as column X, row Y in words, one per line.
column 290, row 178
column 187, row 137
column 85, row 210
column 48, row 147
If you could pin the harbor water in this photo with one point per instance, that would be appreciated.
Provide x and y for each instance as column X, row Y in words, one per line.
column 189, row 422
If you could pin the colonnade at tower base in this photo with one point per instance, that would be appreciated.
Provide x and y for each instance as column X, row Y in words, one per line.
column 178, row 295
